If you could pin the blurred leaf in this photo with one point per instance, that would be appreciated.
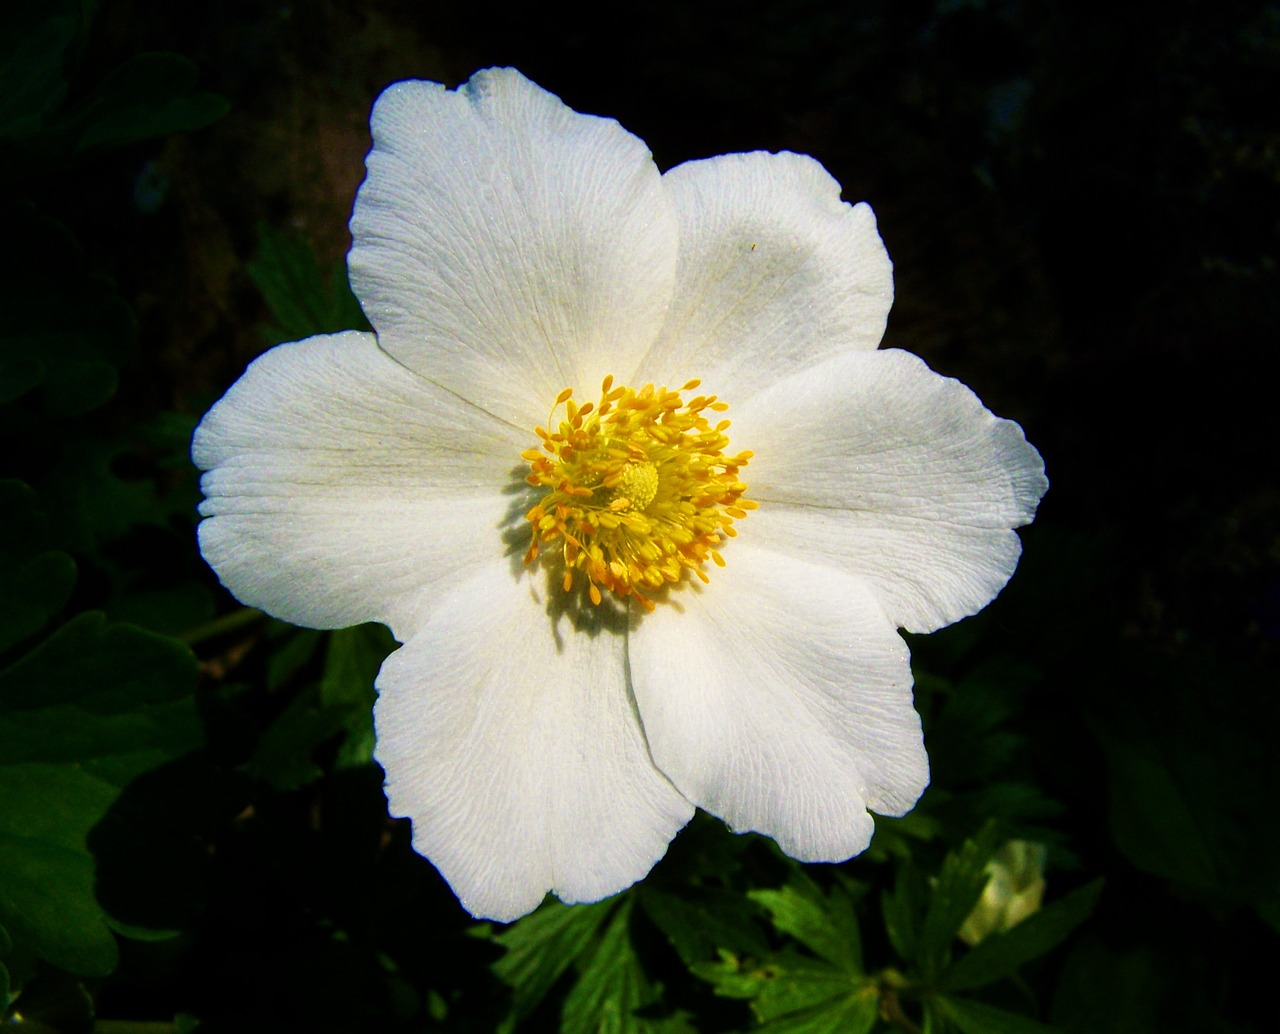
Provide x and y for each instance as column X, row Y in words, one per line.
column 960, row 885
column 543, row 945
column 825, row 924
column 1153, row 821
column 154, row 848
column 35, row 581
column 976, row 1018
column 340, row 702
column 700, row 920
column 5, row 946
column 149, row 95
column 611, row 986
column 1193, row 789
column 302, row 302
column 291, row 649
column 1107, row 992
column 898, row 837
column 84, row 713
column 168, row 610
column 903, row 910
column 1000, row 954
column 285, row 755
column 350, row 667
column 93, row 498
column 66, row 331
column 35, row 40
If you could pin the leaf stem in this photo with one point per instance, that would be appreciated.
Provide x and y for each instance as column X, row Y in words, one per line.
column 220, row 626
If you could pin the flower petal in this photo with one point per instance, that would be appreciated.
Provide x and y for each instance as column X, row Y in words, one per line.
column 876, row 464
column 342, row 488
column 510, row 739
column 507, row 247
column 775, row 273
column 779, row 698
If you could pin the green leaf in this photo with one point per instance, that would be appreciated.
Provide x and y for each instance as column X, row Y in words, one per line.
column 291, row 649
column 302, row 301
column 903, row 910
column 699, row 920
column 149, row 95
column 340, row 702
column 789, row 986
column 35, row 581
column 856, row 1014
column 543, row 945
column 82, row 715
column 90, row 502
column 66, row 331
column 825, row 924
column 976, row 1018
column 6, row 946
column 350, row 667
column 1000, row 954
column 285, row 755
column 1105, row 991
column 612, row 984
column 960, row 885
column 35, row 41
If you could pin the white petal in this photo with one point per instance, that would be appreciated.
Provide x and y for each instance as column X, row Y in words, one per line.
column 343, row 488
column 779, row 698
column 775, row 273
column 510, row 739
column 876, row 464
column 507, row 247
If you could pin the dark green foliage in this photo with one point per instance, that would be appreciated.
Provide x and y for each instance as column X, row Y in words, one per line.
column 149, row 95
column 66, row 331
column 1081, row 208
column 302, row 302
column 81, row 716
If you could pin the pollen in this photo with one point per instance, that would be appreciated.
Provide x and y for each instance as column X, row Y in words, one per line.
column 639, row 489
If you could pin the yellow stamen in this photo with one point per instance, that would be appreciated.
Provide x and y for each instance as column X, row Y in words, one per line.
column 639, row 489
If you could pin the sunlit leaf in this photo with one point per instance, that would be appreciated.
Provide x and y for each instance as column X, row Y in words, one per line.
column 543, row 945
column 854, row 1014
column 823, row 923
column 791, row 988
column 80, row 716
column 1000, row 954
column 611, row 986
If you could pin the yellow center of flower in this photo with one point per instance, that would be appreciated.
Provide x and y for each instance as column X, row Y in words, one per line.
column 639, row 489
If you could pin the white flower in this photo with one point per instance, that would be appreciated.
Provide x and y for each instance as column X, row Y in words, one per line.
column 507, row 248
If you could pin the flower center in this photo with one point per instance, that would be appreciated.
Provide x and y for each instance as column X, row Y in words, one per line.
column 639, row 489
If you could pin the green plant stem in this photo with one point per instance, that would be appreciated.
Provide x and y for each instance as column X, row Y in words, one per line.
column 220, row 626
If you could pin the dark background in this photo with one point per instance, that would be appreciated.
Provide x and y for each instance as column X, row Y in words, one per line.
column 1081, row 201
